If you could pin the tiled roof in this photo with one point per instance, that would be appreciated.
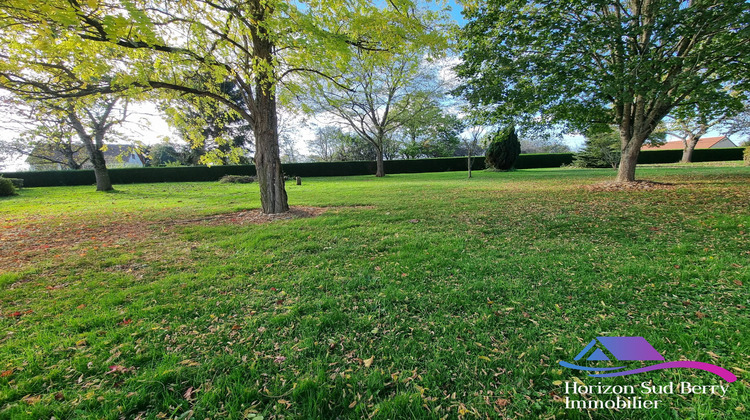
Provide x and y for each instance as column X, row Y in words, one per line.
column 704, row 143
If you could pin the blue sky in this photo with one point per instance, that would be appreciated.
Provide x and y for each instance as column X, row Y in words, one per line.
column 456, row 9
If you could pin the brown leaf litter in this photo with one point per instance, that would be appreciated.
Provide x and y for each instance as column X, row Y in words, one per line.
column 252, row 217
column 25, row 243
column 629, row 186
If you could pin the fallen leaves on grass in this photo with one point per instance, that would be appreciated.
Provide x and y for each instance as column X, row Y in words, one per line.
column 24, row 243
column 629, row 186
column 19, row 314
column 189, row 394
column 31, row 399
column 253, row 217
column 118, row 369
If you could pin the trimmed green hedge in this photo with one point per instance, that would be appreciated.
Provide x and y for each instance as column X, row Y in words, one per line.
column 543, row 160
column 317, row 169
column 700, row 155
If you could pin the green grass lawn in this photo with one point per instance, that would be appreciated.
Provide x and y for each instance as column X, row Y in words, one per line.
column 412, row 296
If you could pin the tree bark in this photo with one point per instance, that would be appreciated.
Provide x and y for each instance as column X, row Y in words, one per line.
column 469, row 162
column 100, row 166
column 94, row 150
column 380, row 171
column 273, row 198
column 630, row 148
column 637, row 120
column 689, row 147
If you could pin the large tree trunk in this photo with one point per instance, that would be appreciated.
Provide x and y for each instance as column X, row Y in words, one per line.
column 273, row 197
column 635, row 126
column 469, row 162
column 100, row 166
column 380, row 171
column 94, row 150
column 630, row 148
column 688, row 148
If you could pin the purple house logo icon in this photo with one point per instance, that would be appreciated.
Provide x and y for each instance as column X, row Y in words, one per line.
column 624, row 349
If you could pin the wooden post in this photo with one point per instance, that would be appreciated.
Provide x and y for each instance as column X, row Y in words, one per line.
column 299, row 180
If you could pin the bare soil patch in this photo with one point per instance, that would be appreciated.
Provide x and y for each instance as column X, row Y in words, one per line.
column 629, row 186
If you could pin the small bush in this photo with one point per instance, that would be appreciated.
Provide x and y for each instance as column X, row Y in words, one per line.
column 6, row 187
column 17, row 182
column 504, row 149
column 236, row 179
column 746, row 156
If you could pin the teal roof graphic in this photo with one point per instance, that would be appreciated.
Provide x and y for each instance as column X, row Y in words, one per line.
column 631, row 349
column 622, row 348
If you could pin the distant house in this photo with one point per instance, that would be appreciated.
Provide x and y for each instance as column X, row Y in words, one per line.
column 704, row 143
column 116, row 156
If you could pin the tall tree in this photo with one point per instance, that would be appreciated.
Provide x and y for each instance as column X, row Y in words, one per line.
column 601, row 149
column 40, row 136
column 738, row 124
column 379, row 93
column 325, row 143
column 261, row 45
column 473, row 141
column 54, row 122
column 430, row 132
column 692, row 121
column 622, row 62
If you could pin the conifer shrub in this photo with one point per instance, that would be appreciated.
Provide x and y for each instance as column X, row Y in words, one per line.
column 503, row 150
column 6, row 187
column 17, row 182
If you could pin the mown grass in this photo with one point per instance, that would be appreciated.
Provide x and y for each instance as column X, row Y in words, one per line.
column 413, row 296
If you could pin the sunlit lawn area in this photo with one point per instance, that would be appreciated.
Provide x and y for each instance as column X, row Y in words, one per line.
column 411, row 296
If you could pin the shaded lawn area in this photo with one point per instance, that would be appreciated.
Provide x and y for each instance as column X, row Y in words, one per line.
column 412, row 296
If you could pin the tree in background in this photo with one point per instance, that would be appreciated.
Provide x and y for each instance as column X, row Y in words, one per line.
column 379, row 93
column 42, row 137
column 602, row 146
column 473, row 141
column 263, row 46
column 692, row 121
column 163, row 154
column 43, row 68
column 601, row 149
column 627, row 63
column 351, row 147
column 51, row 124
column 504, row 149
column 326, row 143
column 739, row 124
column 430, row 133
column 100, row 116
column 331, row 144
column 289, row 153
column 544, row 141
